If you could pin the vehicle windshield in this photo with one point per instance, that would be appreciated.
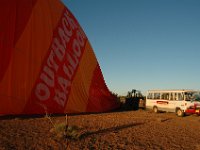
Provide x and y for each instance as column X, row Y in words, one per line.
column 192, row 96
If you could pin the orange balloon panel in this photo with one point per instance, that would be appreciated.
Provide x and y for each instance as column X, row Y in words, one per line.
column 47, row 64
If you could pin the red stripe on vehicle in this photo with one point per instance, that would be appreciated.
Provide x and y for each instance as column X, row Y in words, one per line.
column 162, row 102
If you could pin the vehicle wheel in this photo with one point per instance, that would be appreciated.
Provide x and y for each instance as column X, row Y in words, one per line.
column 179, row 113
column 155, row 109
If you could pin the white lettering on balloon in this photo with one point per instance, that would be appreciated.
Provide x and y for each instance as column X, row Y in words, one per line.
column 67, row 32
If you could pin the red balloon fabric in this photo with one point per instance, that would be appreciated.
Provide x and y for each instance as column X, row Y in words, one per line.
column 47, row 64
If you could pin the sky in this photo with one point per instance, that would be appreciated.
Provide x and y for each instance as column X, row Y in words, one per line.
column 143, row 44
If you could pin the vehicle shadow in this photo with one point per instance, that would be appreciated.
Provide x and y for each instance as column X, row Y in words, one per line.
column 108, row 130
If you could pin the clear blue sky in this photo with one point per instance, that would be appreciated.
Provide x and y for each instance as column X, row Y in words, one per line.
column 143, row 44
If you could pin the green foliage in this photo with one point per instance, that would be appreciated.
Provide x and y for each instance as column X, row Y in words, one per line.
column 73, row 133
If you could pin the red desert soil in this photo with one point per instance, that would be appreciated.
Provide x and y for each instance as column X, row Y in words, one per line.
column 138, row 130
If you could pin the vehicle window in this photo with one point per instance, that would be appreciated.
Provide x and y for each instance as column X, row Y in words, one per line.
column 190, row 96
column 165, row 96
column 175, row 96
column 197, row 96
column 180, row 96
column 156, row 95
column 171, row 96
column 149, row 96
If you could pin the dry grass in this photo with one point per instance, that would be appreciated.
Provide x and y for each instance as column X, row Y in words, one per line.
column 64, row 130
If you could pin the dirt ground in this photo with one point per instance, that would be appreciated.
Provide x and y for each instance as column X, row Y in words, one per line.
column 138, row 130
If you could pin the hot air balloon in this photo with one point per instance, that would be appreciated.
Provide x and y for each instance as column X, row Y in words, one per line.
column 47, row 64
